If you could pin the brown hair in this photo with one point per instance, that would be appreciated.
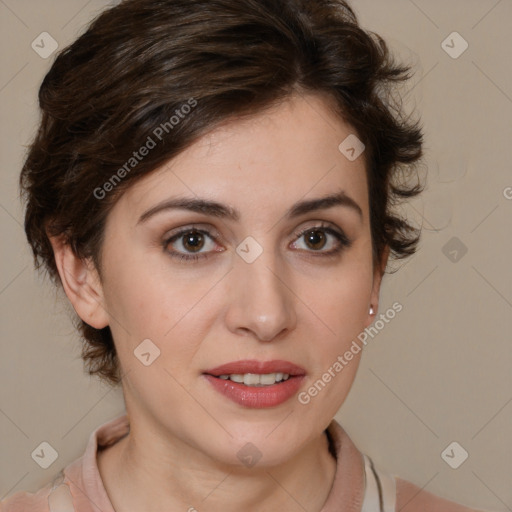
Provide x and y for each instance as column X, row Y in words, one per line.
column 185, row 66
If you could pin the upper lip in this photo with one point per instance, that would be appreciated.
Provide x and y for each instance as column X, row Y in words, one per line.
column 258, row 367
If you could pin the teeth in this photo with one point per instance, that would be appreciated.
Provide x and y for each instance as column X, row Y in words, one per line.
column 255, row 379
column 269, row 379
column 251, row 379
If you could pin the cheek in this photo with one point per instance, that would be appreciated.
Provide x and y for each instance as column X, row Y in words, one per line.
column 341, row 304
column 341, row 300
column 145, row 301
column 343, row 310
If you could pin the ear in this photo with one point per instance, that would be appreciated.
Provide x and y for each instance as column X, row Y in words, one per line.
column 378, row 273
column 81, row 283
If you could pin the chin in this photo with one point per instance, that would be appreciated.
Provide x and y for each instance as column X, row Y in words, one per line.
column 266, row 443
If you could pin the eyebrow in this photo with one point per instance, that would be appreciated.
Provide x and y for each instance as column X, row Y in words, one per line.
column 215, row 209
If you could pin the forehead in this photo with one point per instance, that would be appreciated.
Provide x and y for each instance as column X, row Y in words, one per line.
column 272, row 159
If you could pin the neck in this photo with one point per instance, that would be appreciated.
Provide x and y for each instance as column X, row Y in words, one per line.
column 149, row 473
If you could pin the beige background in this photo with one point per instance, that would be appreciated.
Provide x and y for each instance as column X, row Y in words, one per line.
column 439, row 372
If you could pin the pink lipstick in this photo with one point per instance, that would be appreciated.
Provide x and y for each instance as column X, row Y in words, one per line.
column 257, row 384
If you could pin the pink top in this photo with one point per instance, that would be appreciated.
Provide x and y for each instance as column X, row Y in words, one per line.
column 89, row 495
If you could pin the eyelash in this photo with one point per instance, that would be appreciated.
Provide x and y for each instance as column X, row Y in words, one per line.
column 342, row 239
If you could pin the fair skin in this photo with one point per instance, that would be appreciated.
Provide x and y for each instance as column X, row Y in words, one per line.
column 292, row 303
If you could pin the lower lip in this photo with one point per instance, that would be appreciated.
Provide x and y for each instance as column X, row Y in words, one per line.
column 257, row 397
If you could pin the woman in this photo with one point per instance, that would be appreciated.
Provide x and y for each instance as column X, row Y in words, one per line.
column 212, row 185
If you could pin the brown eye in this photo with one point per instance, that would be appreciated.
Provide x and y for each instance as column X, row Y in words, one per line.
column 315, row 239
column 193, row 241
column 191, row 244
column 321, row 241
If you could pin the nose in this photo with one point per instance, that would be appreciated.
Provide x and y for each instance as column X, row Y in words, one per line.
column 260, row 300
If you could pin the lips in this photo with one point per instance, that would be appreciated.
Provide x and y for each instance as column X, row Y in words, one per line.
column 258, row 367
column 256, row 396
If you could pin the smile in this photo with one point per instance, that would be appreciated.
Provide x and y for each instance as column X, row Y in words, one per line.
column 256, row 384
column 254, row 379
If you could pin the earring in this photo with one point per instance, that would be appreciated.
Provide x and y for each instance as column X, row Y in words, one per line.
column 371, row 310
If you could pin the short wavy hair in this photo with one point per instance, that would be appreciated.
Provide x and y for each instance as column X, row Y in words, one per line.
column 140, row 63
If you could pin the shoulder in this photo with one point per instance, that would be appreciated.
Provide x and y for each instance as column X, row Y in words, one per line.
column 411, row 498
column 382, row 490
column 24, row 501
column 81, row 478
column 54, row 497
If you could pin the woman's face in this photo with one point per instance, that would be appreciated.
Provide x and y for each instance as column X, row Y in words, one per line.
column 255, row 276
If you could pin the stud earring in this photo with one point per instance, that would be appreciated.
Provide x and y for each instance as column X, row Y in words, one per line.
column 371, row 310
